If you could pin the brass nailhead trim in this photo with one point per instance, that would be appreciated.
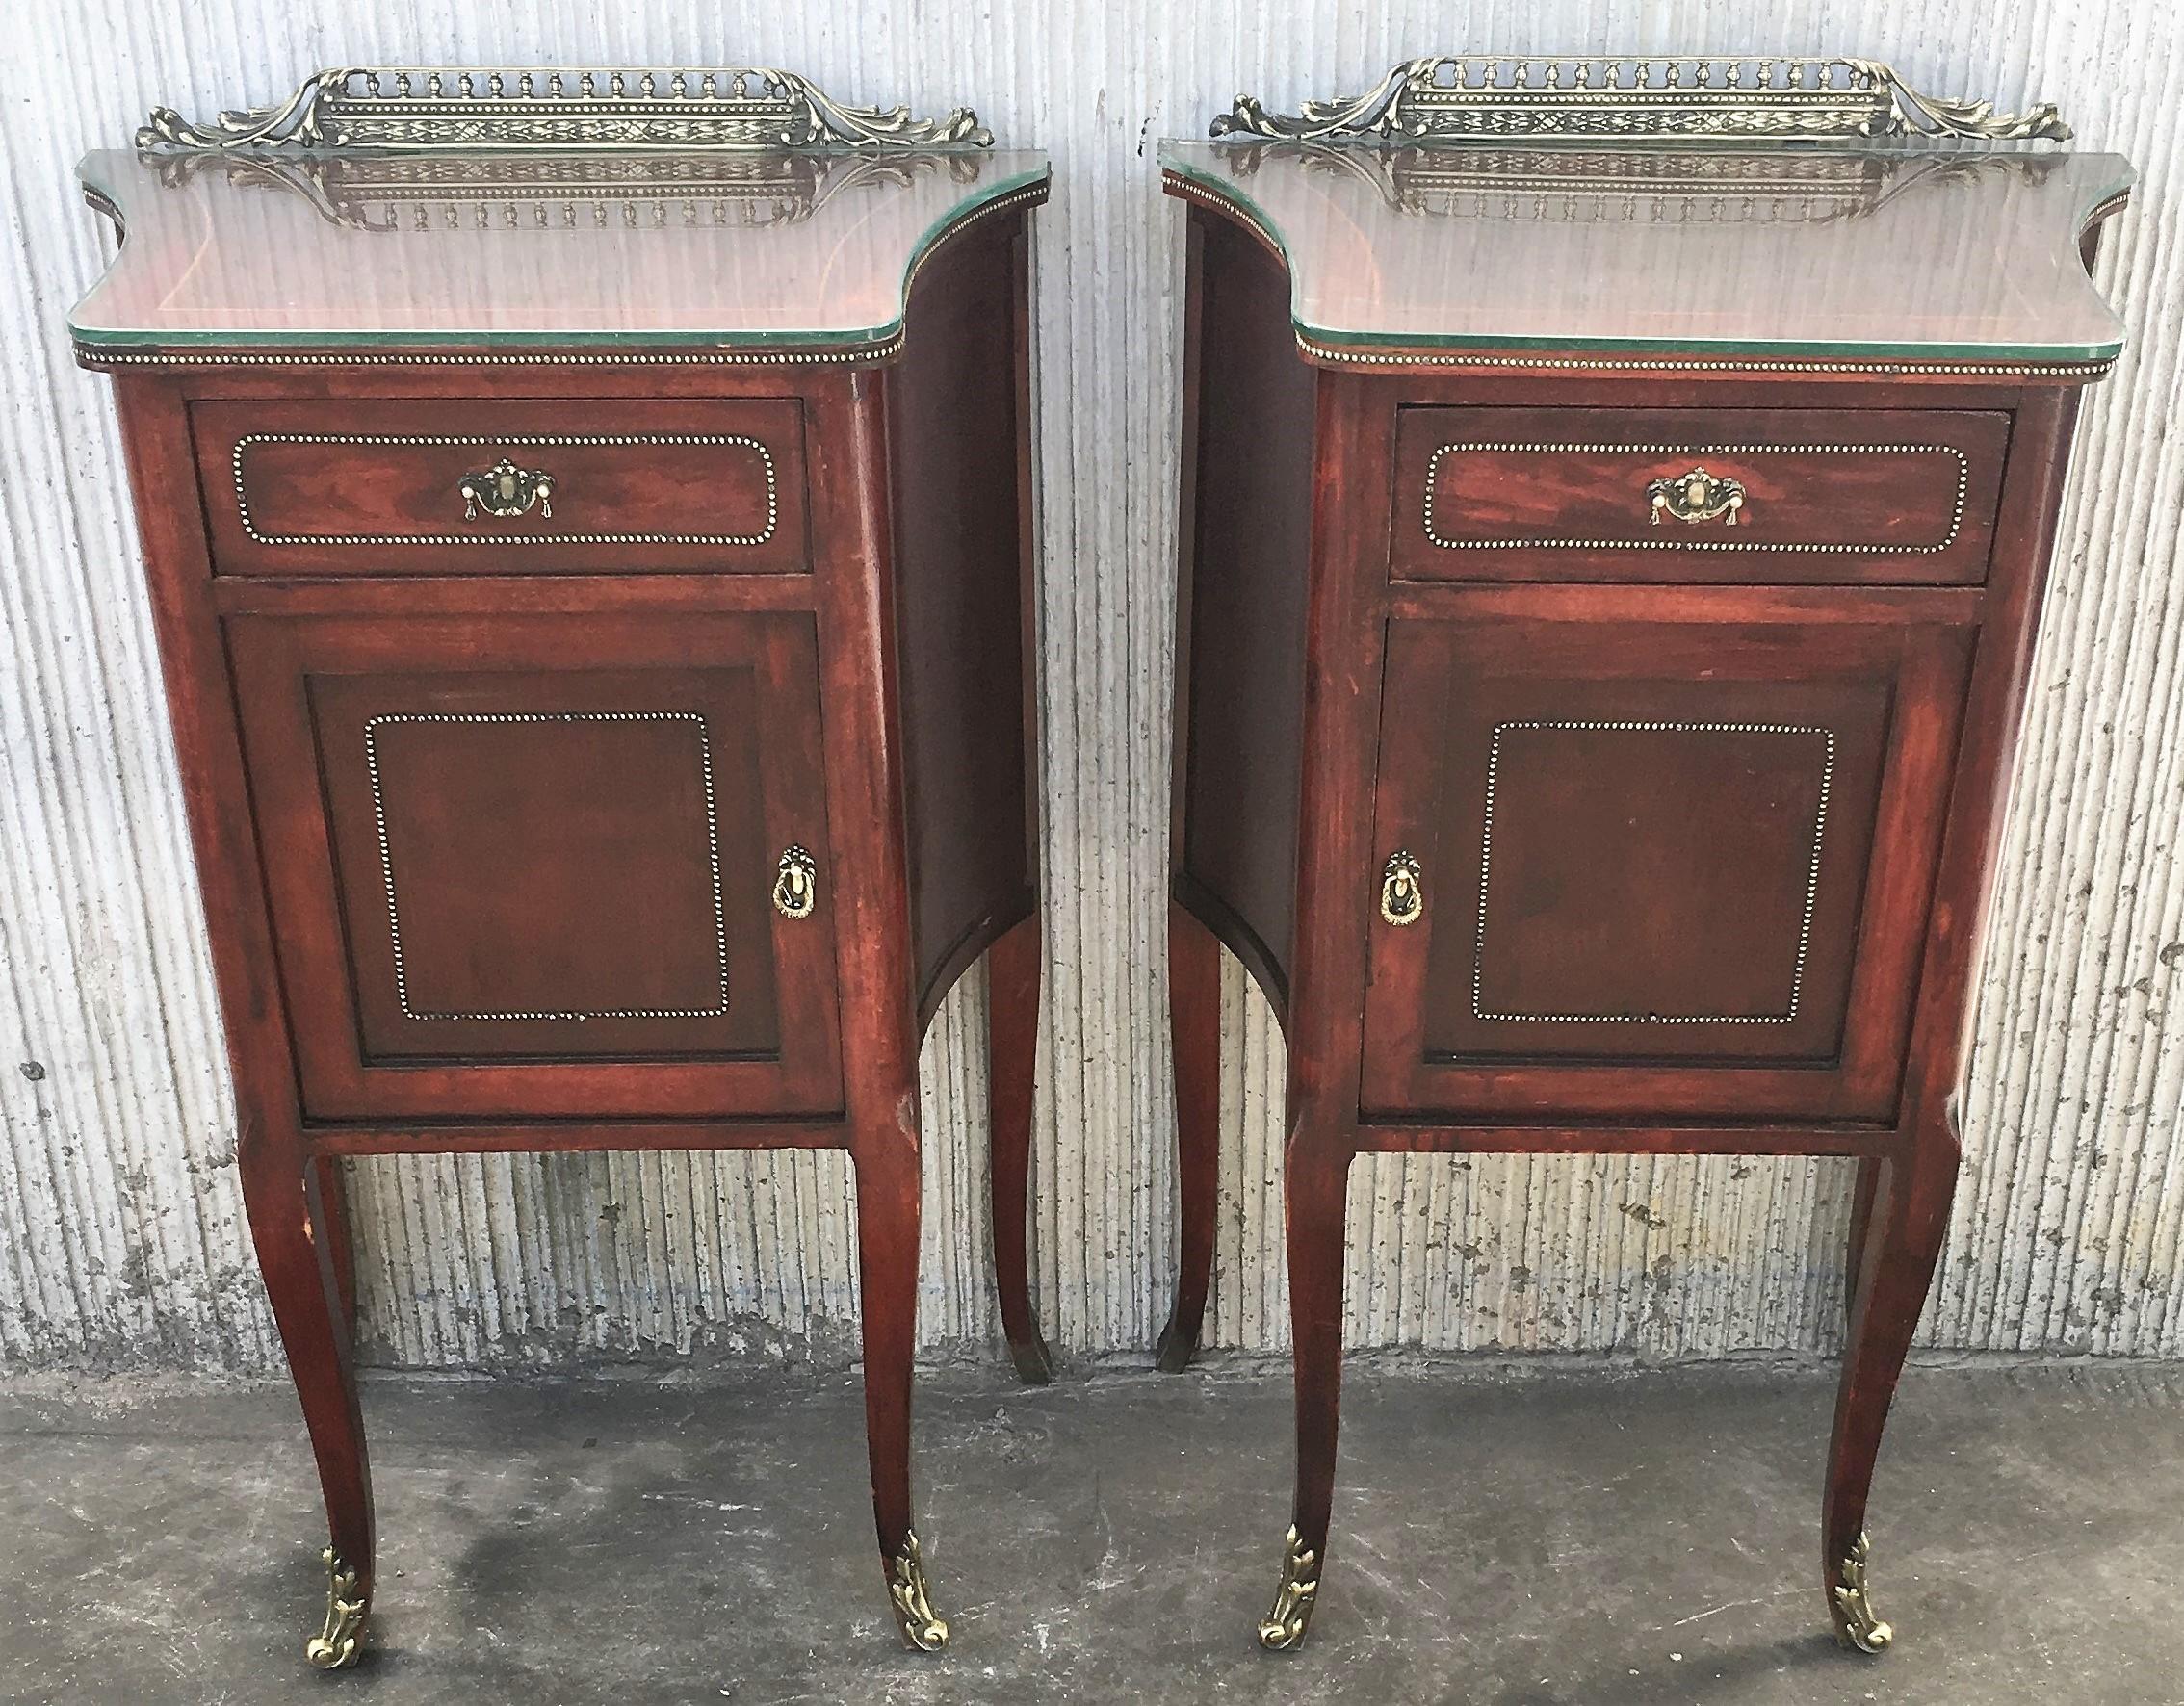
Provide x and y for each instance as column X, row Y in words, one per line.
column 772, row 490
column 1672, row 543
column 372, row 728
column 2089, row 369
column 93, row 356
column 1479, row 1008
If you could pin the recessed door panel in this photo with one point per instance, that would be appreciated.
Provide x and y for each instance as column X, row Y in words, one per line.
column 507, row 885
column 1669, row 869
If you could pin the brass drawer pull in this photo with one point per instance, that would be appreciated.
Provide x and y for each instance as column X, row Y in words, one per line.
column 1696, row 496
column 795, row 885
column 505, row 490
column 1402, row 893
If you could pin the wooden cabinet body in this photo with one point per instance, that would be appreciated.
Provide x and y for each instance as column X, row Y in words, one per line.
column 1551, row 813
column 614, row 750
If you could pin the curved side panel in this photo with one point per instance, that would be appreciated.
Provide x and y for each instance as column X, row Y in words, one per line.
column 1240, row 634
column 956, row 408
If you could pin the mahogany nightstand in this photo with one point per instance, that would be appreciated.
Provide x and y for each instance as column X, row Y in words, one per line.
column 588, row 522
column 1617, row 502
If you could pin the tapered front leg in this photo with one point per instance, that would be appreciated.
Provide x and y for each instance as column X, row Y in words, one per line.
column 1315, row 1179
column 887, row 1263
column 1013, row 965
column 290, row 1223
column 1195, row 1021
column 1907, row 1221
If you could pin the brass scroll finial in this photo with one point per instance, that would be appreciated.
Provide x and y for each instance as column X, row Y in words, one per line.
column 1506, row 97
column 412, row 108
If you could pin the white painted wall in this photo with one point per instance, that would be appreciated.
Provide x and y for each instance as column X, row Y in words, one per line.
column 122, row 1240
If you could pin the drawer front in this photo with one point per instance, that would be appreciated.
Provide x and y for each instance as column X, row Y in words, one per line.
column 407, row 486
column 1669, row 869
column 525, row 867
column 1766, row 496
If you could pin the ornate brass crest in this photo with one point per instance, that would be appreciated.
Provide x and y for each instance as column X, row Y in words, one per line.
column 1496, row 97
column 416, row 106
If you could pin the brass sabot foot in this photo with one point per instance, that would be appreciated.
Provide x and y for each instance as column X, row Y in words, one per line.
column 1284, row 1629
column 1856, row 1625
column 912, row 1599
column 341, row 1643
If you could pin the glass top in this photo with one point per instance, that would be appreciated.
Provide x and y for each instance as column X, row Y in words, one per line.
column 322, row 249
column 1905, row 250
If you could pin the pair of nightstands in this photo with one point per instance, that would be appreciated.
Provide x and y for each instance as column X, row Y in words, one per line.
column 589, row 524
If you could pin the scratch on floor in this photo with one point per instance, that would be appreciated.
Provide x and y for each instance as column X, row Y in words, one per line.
column 1731, row 1606
column 693, row 1499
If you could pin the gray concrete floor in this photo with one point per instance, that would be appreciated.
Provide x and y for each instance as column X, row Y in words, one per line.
column 1570, row 1536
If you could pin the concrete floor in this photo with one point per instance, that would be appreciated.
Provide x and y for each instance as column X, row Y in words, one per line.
column 1566, row 1537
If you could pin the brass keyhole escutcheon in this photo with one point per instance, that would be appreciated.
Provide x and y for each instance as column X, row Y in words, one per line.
column 796, row 884
column 1402, row 889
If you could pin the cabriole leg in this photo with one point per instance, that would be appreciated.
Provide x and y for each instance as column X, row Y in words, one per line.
column 291, row 1226
column 887, row 1261
column 1316, row 1178
column 1908, row 1219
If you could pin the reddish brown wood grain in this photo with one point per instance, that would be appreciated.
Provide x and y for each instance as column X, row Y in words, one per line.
column 1915, row 660
column 371, row 486
column 1831, row 496
column 555, row 854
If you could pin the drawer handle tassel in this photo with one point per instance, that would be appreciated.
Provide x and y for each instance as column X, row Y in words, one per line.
column 1695, row 497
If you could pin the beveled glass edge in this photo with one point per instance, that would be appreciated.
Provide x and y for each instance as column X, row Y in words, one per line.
column 1176, row 164
column 874, row 340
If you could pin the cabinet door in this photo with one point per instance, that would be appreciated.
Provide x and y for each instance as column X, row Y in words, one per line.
column 524, row 866
column 1670, row 870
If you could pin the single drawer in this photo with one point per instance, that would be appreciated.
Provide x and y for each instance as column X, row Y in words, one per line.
column 426, row 486
column 1773, row 496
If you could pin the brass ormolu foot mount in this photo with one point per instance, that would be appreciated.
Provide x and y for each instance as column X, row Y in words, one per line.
column 341, row 1643
column 1282, row 1630
column 1856, row 1625
column 912, row 1599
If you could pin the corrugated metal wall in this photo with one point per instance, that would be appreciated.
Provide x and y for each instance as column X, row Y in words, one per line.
column 122, row 1240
